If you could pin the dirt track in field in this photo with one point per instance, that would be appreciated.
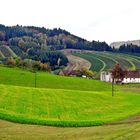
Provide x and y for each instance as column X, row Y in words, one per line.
column 77, row 63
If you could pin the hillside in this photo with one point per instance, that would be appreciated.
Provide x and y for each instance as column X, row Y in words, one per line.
column 61, row 101
column 65, row 107
column 20, row 77
column 27, row 43
column 41, row 44
column 103, row 61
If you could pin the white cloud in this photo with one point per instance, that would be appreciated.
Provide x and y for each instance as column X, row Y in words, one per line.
column 105, row 20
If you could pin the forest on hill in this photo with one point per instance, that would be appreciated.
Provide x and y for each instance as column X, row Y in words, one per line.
column 42, row 46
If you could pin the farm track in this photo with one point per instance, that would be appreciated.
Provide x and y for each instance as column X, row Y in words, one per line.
column 77, row 63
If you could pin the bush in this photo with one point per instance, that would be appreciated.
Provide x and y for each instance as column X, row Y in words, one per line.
column 87, row 73
column 11, row 62
column 45, row 67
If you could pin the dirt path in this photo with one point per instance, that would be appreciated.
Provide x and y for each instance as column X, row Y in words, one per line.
column 77, row 63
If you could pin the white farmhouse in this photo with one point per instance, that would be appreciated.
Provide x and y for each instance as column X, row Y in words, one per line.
column 130, row 77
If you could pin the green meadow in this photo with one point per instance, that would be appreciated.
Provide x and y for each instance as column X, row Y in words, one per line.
column 62, row 101
column 25, row 78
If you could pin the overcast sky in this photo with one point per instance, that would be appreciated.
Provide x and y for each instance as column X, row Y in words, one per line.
column 104, row 20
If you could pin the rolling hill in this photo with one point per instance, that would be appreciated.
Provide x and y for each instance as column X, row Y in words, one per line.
column 61, row 101
column 102, row 61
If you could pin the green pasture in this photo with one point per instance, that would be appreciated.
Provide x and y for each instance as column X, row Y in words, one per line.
column 61, row 101
column 19, row 77
column 61, row 107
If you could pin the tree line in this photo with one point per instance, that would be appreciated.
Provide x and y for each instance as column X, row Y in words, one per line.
column 56, row 39
column 129, row 48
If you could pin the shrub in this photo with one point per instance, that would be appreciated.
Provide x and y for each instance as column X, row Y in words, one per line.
column 87, row 73
column 11, row 62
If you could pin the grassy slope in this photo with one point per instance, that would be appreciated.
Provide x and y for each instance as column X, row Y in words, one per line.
column 15, row 76
column 105, row 62
column 65, row 107
column 67, row 101
column 127, row 61
column 87, row 102
column 120, row 59
column 14, row 131
column 97, row 64
column 133, row 60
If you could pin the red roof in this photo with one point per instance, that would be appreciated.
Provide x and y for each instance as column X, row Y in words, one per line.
column 132, row 74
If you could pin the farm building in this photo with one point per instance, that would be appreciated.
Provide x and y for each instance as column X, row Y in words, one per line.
column 130, row 77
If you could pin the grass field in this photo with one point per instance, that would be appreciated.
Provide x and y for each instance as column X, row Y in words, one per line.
column 97, row 63
column 61, row 101
column 65, row 107
column 65, row 101
column 18, row 77
column 124, row 62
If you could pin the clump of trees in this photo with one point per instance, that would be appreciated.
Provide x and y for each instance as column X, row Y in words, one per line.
column 129, row 48
column 28, row 64
column 11, row 62
column 53, row 57
column 79, row 73
column 88, row 73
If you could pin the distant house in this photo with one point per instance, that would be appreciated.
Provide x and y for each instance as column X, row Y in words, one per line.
column 130, row 77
